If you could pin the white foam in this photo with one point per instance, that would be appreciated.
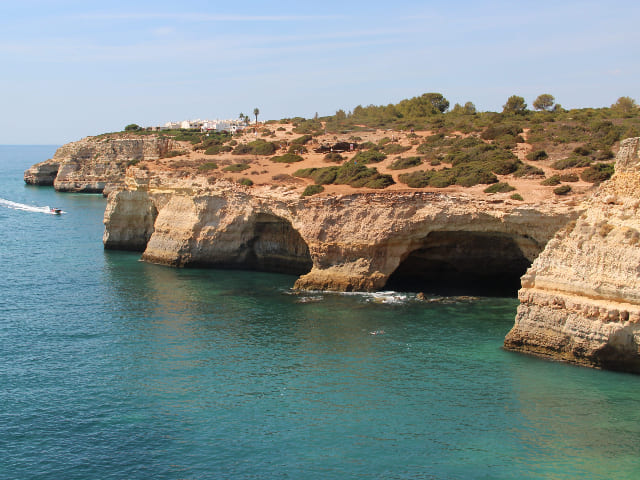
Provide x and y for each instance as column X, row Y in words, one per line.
column 25, row 208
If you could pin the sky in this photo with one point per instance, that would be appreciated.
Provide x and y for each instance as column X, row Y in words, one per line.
column 75, row 68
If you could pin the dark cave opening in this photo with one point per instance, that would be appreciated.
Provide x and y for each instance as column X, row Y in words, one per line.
column 462, row 263
column 275, row 247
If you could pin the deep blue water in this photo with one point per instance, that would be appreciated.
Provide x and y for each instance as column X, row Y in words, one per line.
column 115, row 369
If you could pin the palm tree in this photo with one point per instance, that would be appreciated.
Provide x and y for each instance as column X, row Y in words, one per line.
column 256, row 112
column 241, row 117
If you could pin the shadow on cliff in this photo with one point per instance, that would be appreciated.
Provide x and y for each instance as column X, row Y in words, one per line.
column 462, row 263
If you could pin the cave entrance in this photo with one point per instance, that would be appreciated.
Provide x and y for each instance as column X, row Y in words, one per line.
column 462, row 263
column 276, row 247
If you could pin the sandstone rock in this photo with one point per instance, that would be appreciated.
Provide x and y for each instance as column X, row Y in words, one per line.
column 96, row 164
column 580, row 300
column 43, row 173
column 339, row 242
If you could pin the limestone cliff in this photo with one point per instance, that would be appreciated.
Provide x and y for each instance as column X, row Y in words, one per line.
column 95, row 163
column 335, row 242
column 580, row 300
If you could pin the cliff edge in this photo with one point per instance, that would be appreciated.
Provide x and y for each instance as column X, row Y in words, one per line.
column 94, row 164
column 360, row 241
column 580, row 300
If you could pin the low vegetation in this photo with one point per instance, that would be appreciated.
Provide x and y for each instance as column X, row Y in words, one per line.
column 500, row 187
column 257, row 147
column 403, row 163
column 205, row 167
column 598, row 173
column 350, row 173
column 562, row 190
column 236, row 167
column 369, row 156
column 312, row 190
column 287, row 158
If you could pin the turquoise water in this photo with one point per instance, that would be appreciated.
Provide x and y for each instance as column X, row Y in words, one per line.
column 116, row 369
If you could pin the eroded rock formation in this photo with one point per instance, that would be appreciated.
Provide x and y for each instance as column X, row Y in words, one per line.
column 339, row 242
column 94, row 164
column 580, row 300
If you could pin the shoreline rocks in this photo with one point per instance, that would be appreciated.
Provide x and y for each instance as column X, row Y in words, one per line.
column 580, row 300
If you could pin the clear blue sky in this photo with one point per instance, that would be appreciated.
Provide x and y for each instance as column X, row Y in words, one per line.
column 77, row 68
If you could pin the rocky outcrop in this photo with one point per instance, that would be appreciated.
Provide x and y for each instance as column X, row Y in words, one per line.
column 94, row 164
column 580, row 300
column 339, row 242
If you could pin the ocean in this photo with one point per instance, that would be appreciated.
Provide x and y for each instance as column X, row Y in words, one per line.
column 112, row 368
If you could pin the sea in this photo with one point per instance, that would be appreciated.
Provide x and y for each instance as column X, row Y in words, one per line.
column 112, row 368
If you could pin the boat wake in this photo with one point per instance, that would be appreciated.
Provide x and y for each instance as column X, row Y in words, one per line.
column 29, row 208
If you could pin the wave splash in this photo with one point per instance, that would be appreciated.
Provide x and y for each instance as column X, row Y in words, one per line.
column 25, row 208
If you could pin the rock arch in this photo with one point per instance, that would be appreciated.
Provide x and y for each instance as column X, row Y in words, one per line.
column 274, row 245
column 463, row 262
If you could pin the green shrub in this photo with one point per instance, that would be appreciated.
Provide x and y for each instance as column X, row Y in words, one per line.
column 500, row 187
column 216, row 149
column 604, row 154
column 583, row 150
column 496, row 130
column 536, row 155
column 350, row 173
column 257, row 147
column 236, row 167
column 598, row 173
column 307, row 126
column 133, row 162
column 384, row 141
column 173, row 153
column 569, row 177
column 418, row 179
column 287, row 158
column 369, row 156
column 368, row 146
column 551, row 181
column 321, row 176
column 245, row 181
column 562, row 190
column 402, row 163
column 508, row 141
column 303, row 140
column 491, row 157
column 333, row 157
column 470, row 174
column 442, row 178
column 516, row 196
column 207, row 166
column 605, row 133
column 312, row 190
column 358, row 175
column 297, row 149
column 571, row 162
column 394, row 149
column 465, row 175
column 526, row 170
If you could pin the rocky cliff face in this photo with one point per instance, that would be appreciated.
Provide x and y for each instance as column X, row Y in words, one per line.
column 95, row 163
column 580, row 300
column 343, row 242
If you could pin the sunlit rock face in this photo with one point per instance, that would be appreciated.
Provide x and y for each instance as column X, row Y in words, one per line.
column 580, row 300
column 96, row 164
column 358, row 242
